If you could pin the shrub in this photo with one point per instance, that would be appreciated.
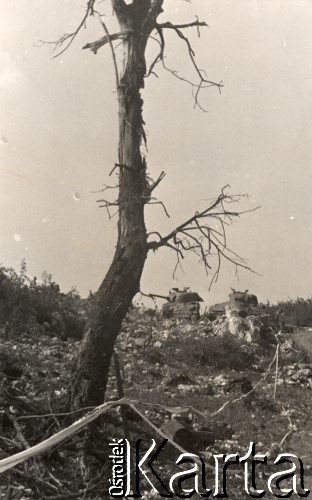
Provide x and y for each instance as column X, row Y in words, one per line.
column 296, row 312
column 217, row 352
column 26, row 304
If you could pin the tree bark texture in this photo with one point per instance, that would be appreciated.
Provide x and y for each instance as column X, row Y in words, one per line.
column 122, row 281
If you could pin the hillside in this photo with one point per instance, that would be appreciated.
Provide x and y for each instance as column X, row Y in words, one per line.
column 225, row 386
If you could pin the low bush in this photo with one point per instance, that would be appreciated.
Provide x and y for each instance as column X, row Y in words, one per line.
column 221, row 352
column 29, row 305
column 217, row 352
column 297, row 312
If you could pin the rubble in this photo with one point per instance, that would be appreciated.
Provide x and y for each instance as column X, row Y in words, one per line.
column 299, row 374
column 158, row 368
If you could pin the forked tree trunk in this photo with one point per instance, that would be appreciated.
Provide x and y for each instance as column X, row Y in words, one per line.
column 122, row 282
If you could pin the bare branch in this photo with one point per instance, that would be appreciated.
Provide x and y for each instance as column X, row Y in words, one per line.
column 200, row 236
column 112, row 50
column 148, row 295
column 95, row 46
column 64, row 42
column 169, row 25
column 159, row 203
column 178, row 265
column 119, row 165
column 203, row 81
column 160, row 56
column 107, row 202
column 158, row 181
column 156, row 233
column 105, row 188
column 107, row 205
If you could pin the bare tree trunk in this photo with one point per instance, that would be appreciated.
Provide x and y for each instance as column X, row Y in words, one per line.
column 137, row 20
column 122, row 282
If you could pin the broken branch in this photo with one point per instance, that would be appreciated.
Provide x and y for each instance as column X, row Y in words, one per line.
column 95, row 46
column 158, row 181
column 169, row 25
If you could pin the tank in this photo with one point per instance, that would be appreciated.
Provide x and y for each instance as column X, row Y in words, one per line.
column 182, row 304
column 242, row 302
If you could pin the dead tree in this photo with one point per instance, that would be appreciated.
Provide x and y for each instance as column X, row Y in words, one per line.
column 138, row 24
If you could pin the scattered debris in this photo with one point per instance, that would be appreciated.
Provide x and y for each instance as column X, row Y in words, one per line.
column 192, row 376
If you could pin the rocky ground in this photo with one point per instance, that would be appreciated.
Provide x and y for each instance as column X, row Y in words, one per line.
column 166, row 365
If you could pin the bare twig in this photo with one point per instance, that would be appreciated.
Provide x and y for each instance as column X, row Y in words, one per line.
column 148, row 295
column 203, row 81
column 107, row 205
column 159, row 203
column 112, row 50
column 107, row 202
column 276, row 371
column 36, row 479
column 64, row 42
column 121, row 395
column 105, row 188
column 199, row 235
column 291, row 427
column 286, row 436
column 57, row 481
column 157, row 182
column 160, row 55
column 18, row 429
column 9, row 441
column 56, row 420
column 245, row 395
column 47, row 415
column 120, row 165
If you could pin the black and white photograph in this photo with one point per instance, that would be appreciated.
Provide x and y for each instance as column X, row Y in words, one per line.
column 156, row 242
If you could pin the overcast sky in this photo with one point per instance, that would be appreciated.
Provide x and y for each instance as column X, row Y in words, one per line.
column 58, row 140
